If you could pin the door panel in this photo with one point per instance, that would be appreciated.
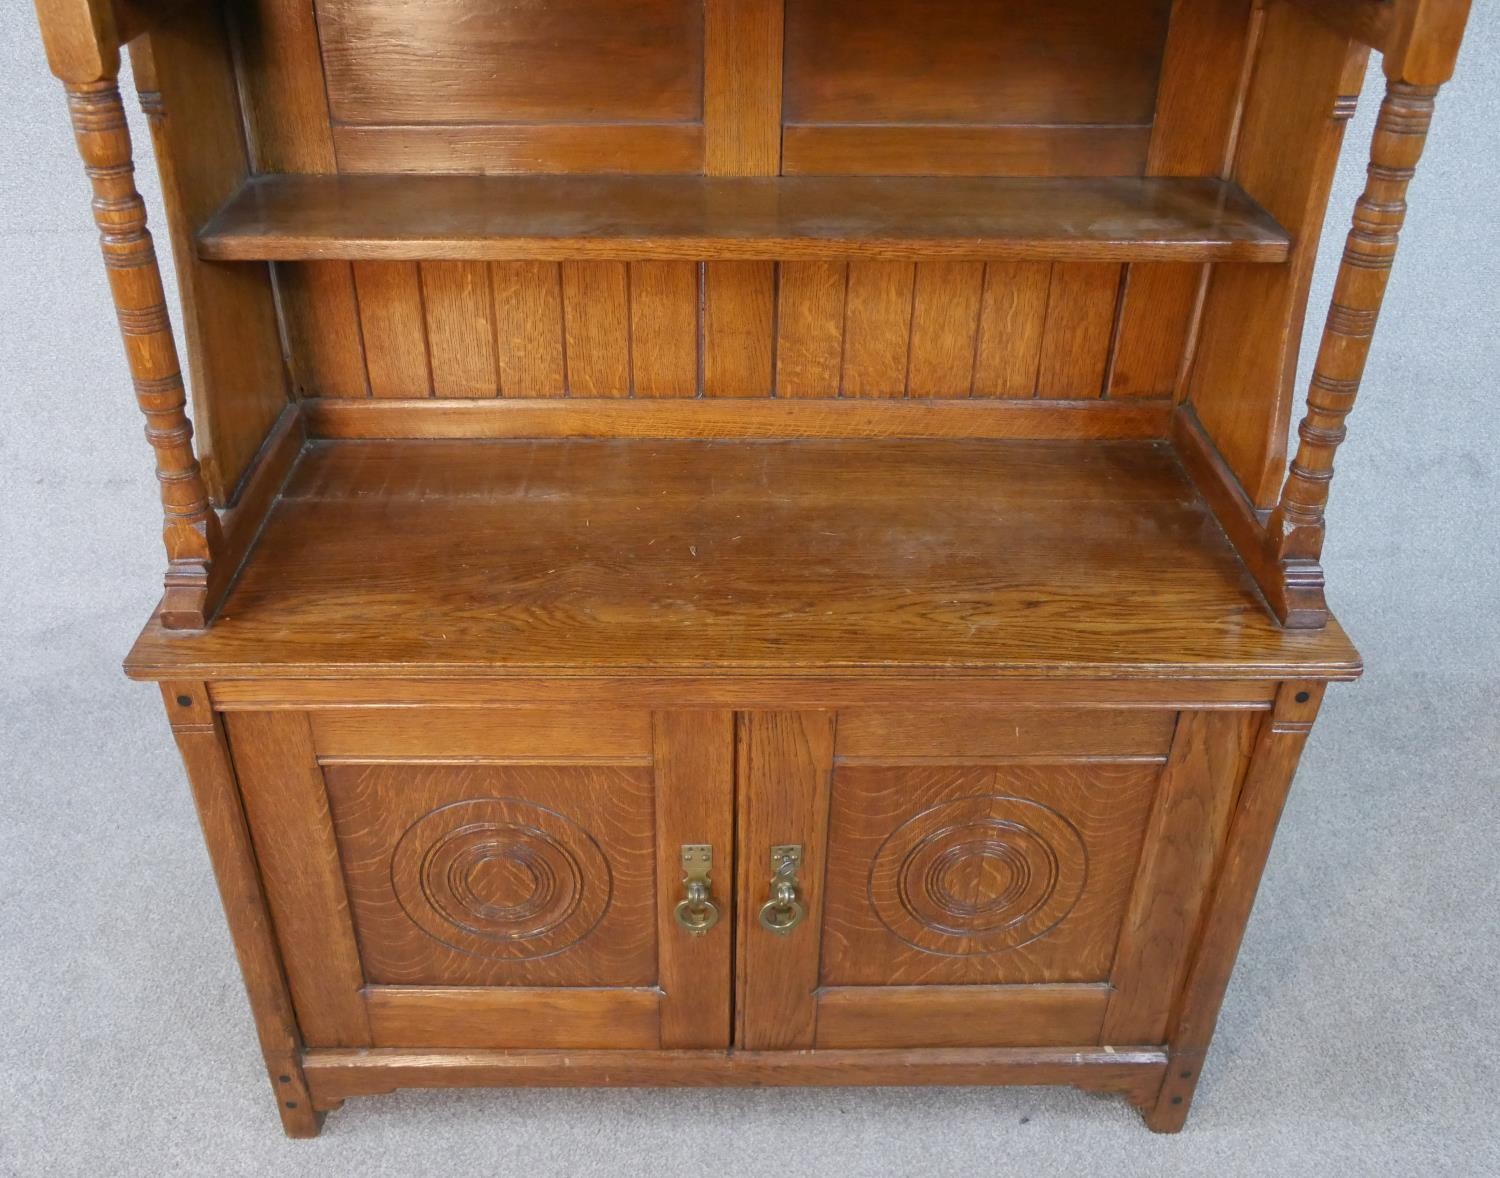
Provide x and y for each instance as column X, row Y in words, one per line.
column 495, row 877
column 499, row 875
column 984, row 878
column 983, row 875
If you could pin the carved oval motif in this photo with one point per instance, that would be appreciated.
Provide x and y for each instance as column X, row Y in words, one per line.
column 501, row 878
column 977, row 876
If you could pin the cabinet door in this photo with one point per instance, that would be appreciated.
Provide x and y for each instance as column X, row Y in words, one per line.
column 476, row 877
column 979, row 878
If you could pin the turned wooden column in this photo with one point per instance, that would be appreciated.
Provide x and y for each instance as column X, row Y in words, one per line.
column 1297, row 526
column 190, row 527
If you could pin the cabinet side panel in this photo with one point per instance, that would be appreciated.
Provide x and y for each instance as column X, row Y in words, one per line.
column 1241, row 384
column 1198, row 107
column 286, row 109
column 185, row 74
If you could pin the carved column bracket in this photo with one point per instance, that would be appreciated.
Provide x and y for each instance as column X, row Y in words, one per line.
column 1296, row 527
column 190, row 527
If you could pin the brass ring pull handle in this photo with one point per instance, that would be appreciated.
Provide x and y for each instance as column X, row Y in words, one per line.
column 784, row 911
column 696, row 912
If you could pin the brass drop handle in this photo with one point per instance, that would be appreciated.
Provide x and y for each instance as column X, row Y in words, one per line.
column 697, row 912
column 784, row 910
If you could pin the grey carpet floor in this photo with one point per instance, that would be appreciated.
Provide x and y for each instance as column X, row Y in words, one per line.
column 1359, row 1033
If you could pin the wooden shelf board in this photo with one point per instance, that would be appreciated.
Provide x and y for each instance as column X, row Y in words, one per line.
column 497, row 218
column 416, row 558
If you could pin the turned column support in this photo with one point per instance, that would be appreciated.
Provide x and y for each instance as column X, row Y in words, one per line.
column 1296, row 528
column 190, row 526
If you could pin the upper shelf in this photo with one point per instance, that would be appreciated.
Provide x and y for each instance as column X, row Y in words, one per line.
column 693, row 218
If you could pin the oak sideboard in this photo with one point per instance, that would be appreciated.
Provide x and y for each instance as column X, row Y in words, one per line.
column 742, row 541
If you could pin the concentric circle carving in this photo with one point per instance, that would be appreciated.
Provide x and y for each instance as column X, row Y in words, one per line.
column 501, row 878
column 978, row 875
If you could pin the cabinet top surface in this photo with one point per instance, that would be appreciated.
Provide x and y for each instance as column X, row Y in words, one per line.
column 808, row 557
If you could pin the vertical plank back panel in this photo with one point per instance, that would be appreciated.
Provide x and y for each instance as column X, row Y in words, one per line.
column 1012, row 320
column 810, row 328
column 877, row 328
column 596, row 319
column 738, row 329
column 460, row 320
column 944, row 327
column 739, row 314
column 1081, row 304
column 664, row 328
column 393, row 326
column 529, row 329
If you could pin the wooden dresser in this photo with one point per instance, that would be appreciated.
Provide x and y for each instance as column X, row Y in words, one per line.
column 742, row 541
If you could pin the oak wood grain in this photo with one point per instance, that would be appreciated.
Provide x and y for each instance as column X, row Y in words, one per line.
column 784, row 760
column 288, row 810
column 596, row 328
column 393, row 328
column 1189, row 824
column 186, row 83
column 1081, row 305
column 591, row 60
column 694, row 755
column 335, row 1075
column 534, row 874
column 742, row 693
column 1257, row 811
column 280, row 69
column 741, row 417
column 205, row 754
column 529, row 329
column 1012, row 320
column 482, row 734
column 886, row 1017
column 516, row 218
column 982, row 733
column 513, row 1017
column 600, row 556
column 664, row 314
column 976, row 874
column 458, row 307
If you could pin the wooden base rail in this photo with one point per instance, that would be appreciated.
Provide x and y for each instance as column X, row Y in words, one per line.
column 333, row 1075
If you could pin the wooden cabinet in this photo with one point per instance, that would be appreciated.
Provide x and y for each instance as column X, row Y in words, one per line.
column 510, row 877
column 491, row 877
column 742, row 542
